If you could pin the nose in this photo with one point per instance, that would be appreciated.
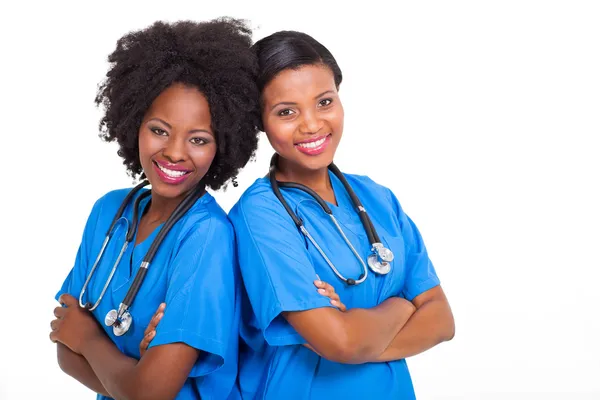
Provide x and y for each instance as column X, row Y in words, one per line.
column 174, row 150
column 311, row 123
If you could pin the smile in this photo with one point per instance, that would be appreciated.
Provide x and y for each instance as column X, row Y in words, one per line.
column 314, row 147
column 169, row 175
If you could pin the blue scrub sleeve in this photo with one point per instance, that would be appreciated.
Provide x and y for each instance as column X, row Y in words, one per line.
column 201, row 295
column 420, row 273
column 74, row 281
column 276, row 267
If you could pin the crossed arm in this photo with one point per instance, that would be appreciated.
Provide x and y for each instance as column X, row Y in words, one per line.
column 88, row 355
column 393, row 330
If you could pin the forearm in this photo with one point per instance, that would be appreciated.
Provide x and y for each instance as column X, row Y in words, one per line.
column 77, row 367
column 370, row 331
column 430, row 325
column 115, row 371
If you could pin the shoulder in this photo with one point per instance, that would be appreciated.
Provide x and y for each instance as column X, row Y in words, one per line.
column 255, row 200
column 365, row 184
column 207, row 219
column 116, row 196
column 110, row 202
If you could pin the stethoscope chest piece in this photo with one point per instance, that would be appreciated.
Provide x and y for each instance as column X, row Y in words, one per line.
column 377, row 266
column 380, row 260
column 120, row 325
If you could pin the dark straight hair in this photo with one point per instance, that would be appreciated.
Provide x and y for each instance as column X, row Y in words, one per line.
column 291, row 50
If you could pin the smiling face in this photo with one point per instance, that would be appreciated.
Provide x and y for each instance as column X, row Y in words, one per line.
column 303, row 117
column 176, row 141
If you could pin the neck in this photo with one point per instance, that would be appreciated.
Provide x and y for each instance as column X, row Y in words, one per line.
column 161, row 207
column 317, row 180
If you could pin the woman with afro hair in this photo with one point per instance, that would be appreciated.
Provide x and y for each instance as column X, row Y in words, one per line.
column 181, row 101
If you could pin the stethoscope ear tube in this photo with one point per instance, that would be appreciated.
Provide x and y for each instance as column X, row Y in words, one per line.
column 179, row 212
column 279, row 196
column 134, row 223
column 135, row 286
column 362, row 213
column 124, row 204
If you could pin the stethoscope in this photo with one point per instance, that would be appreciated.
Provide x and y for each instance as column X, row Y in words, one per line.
column 121, row 319
column 381, row 257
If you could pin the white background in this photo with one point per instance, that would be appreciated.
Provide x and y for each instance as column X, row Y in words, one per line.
column 482, row 116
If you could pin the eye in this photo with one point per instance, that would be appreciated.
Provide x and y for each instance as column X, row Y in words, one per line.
column 198, row 141
column 285, row 112
column 159, row 131
column 325, row 102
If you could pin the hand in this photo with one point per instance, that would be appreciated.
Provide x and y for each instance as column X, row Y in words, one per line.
column 74, row 325
column 150, row 331
column 327, row 290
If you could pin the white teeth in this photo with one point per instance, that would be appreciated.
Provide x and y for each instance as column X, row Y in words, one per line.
column 312, row 145
column 171, row 173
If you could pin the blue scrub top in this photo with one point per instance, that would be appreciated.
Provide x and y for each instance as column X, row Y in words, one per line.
column 194, row 272
column 278, row 268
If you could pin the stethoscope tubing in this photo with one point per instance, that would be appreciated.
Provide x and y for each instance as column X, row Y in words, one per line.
column 364, row 217
column 123, row 309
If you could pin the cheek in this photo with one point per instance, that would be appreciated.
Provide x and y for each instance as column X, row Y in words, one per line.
column 280, row 134
column 204, row 156
column 148, row 143
column 338, row 121
column 144, row 146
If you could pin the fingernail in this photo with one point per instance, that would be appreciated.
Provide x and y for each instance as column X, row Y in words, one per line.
column 322, row 291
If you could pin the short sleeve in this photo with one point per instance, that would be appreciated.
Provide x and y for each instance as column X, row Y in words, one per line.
column 276, row 268
column 74, row 281
column 201, row 295
column 420, row 273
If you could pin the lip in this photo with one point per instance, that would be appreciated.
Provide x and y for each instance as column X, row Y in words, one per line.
column 314, row 151
column 172, row 167
column 312, row 139
column 169, row 179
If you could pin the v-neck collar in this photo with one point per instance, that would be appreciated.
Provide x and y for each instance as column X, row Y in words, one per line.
column 134, row 254
column 344, row 203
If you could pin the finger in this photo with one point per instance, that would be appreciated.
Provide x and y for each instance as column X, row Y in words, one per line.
column 157, row 316
column 328, row 287
column 59, row 312
column 146, row 342
column 68, row 300
column 54, row 324
column 336, row 303
column 53, row 337
column 327, row 292
column 153, row 323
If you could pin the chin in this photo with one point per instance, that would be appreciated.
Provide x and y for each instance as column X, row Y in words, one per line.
column 170, row 191
column 315, row 163
column 167, row 192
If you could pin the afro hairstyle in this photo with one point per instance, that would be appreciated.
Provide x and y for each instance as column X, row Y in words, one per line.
column 215, row 57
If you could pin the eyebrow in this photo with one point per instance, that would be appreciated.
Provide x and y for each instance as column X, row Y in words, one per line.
column 170, row 127
column 288, row 103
